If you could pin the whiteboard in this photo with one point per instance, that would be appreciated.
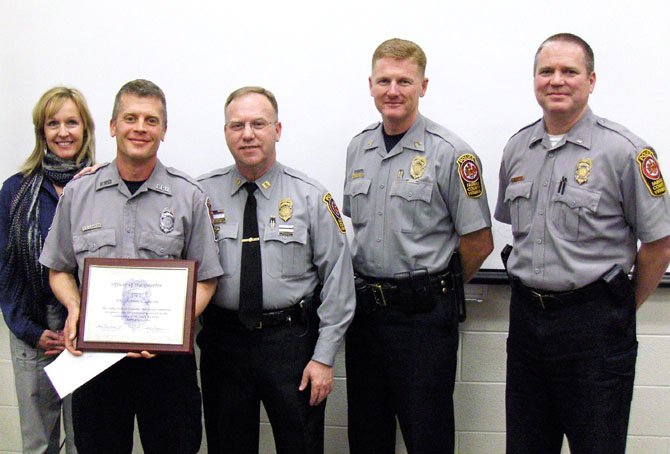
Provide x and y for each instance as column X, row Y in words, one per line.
column 315, row 57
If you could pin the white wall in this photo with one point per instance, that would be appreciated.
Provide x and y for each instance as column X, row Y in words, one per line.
column 315, row 56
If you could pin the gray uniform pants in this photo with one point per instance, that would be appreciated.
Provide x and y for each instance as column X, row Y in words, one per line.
column 39, row 404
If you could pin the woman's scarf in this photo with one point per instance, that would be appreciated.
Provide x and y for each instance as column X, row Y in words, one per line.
column 23, row 274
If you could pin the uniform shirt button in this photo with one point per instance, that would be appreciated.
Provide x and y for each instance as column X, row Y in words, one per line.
column 410, row 194
column 128, row 230
column 379, row 240
column 93, row 245
column 537, row 271
column 538, row 241
column 573, row 203
column 551, row 155
column 541, row 212
column 162, row 250
column 445, row 290
column 381, row 186
column 379, row 213
column 545, row 183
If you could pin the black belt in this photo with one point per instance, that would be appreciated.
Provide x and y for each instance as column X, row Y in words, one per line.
column 400, row 292
column 552, row 300
column 280, row 317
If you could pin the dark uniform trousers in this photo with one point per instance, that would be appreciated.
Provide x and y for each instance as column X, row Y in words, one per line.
column 162, row 391
column 570, row 370
column 241, row 367
column 402, row 364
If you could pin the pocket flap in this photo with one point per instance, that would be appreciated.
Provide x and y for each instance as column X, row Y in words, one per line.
column 228, row 230
column 413, row 191
column 160, row 244
column 578, row 198
column 296, row 235
column 357, row 186
column 94, row 240
column 516, row 190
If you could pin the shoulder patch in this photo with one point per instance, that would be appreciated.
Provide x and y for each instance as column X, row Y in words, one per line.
column 334, row 211
column 470, row 175
column 650, row 172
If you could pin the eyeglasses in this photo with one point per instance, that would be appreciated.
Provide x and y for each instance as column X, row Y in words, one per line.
column 256, row 125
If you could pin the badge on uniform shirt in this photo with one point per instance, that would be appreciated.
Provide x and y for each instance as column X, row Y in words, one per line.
column 651, row 172
column 418, row 166
column 334, row 211
column 583, row 170
column 517, row 179
column 358, row 173
column 285, row 209
column 470, row 175
column 167, row 221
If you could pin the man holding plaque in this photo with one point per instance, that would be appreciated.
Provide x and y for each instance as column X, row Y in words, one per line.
column 286, row 296
column 134, row 207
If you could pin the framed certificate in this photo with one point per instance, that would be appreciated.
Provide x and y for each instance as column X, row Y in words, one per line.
column 130, row 305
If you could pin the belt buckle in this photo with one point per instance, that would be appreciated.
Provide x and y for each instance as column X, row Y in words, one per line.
column 258, row 325
column 543, row 297
column 377, row 288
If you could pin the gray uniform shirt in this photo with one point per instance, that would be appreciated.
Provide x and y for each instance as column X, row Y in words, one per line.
column 302, row 244
column 167, row 217
column 567, row 235
column 409, row 206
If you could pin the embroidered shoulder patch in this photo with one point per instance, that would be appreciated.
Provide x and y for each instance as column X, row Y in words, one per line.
column 471, row 177
column 334, row 211
column 651, row 172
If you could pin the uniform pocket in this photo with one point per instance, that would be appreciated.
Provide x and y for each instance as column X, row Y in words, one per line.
column 229, row 246
column 285, row 255
column 94, row 242
column 358, row 190
column 573, row 213
column 410, row 206
column 152, row 245
column 517, row 196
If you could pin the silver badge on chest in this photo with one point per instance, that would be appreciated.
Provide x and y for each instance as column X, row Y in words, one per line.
column 167, row 221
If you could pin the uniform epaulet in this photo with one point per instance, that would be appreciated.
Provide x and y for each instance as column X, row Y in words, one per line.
column 215, row 173
column 623, row 132
column 302, row 176
column 102, row 166
column 182, row 175
column 527, row 126
column 440, row 131
column 371, row 127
